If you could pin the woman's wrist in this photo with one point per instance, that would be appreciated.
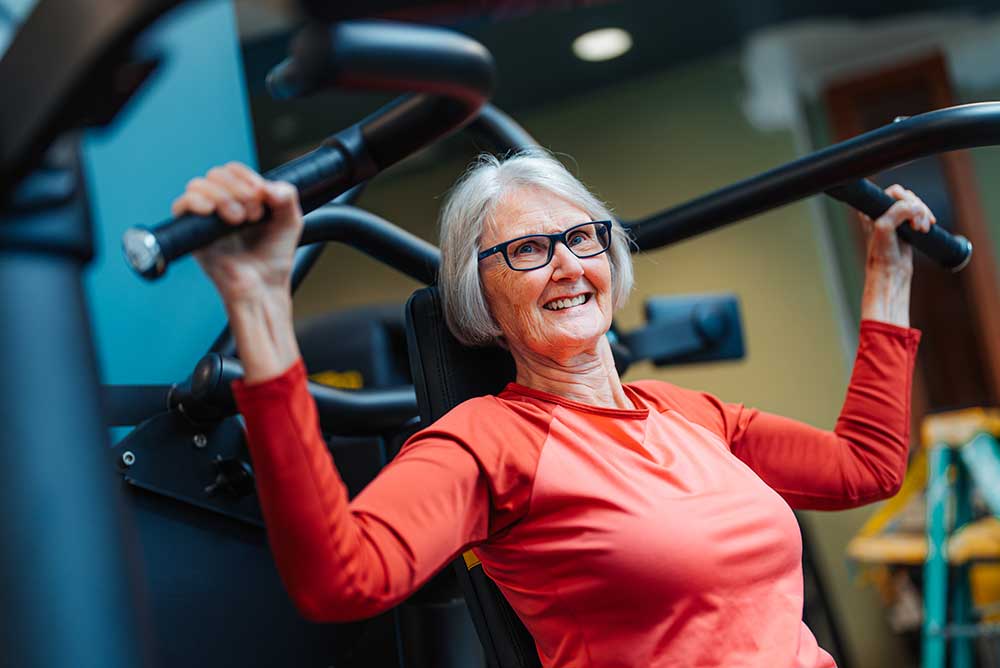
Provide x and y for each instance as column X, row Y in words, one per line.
column 886, row 296
column 264, row 333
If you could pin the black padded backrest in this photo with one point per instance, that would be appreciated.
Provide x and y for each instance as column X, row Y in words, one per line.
column 446, row 373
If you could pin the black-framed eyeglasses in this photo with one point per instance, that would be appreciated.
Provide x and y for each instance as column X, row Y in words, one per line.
column 534, row 251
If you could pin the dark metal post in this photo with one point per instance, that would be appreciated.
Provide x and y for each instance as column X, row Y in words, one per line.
column 65, row 574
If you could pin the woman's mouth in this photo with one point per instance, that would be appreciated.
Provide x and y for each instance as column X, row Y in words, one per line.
column 568, row 302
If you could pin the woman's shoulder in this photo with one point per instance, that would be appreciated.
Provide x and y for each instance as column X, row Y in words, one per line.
column 662, row 396
column 490, row 423
column 694, row 406
column 505, row 438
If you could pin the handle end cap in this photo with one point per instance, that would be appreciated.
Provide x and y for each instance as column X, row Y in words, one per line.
column 968, row 255
column 143, row 253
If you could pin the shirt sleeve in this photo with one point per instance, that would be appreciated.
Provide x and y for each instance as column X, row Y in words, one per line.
column 343, row 560
column 864, row 458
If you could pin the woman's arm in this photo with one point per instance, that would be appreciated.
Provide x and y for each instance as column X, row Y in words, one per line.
column 889, row 262
column 339, row 561
column 864, row 458
column 342, row 561
column 251, row 270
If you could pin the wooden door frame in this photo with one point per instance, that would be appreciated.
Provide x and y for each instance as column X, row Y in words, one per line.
column 930, row 74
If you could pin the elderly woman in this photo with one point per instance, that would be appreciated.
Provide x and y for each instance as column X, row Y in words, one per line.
column 635, row 524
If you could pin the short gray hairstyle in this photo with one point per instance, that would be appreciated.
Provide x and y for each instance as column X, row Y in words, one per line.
column 468, row 207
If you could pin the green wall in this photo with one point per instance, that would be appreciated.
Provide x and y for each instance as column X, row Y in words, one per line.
column 645, row 145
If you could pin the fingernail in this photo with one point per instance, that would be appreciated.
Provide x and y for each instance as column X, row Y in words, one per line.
column 200, row 201
column 234, row 209
column 281, row 191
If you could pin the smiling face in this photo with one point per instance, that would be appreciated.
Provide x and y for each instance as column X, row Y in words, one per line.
column 557, row 311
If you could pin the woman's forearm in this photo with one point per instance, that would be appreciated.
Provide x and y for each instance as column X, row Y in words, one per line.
column 264, row 333
column 886, row 296
column 889, row 261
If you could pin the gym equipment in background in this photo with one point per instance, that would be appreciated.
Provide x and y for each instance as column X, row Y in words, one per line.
column 944, row 522
column 70, row 595
column 81, row 611
column 454, row 75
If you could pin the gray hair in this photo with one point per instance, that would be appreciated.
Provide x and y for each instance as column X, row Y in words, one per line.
column 468, row 207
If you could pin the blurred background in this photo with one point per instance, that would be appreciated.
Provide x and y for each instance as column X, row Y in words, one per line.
column 684, row 98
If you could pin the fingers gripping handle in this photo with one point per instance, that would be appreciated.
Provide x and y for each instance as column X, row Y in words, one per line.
column 952, row 251
column 317, row 175
column 452, row 75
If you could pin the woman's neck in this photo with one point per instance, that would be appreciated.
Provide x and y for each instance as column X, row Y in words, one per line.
column 588, row 377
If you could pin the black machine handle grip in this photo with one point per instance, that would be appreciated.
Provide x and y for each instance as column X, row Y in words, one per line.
column 453, row 74
column 150, row 250
column 951, row 251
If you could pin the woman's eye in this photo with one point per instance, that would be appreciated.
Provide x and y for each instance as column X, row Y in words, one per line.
column 578, row 238
column 526, row 248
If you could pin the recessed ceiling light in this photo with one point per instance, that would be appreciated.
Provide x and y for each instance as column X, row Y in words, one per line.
column 603, row 44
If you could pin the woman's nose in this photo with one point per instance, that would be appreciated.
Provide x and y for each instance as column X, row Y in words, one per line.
column 564, row 263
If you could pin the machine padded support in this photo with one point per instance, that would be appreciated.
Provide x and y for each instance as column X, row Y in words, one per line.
column 446, row 373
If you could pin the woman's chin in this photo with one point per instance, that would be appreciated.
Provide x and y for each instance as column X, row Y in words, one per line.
column 565, row 340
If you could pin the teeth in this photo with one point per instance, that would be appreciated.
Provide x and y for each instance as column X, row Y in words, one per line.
column 560, row 304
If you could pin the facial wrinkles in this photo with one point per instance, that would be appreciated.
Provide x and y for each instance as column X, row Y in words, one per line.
column 520, row 219
column 517, row 298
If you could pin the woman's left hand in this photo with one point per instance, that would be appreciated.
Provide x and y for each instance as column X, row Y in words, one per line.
column 889, row 265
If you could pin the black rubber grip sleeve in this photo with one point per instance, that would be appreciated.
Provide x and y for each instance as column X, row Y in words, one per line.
column 952, row 251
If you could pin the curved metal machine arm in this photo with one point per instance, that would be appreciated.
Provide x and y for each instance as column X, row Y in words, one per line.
column 341, row 412
column 387, row 243
column 501, row 130
column 206, row 393
column 966, row 126
column 452, row 73
column 368, row 233
column 837, row 171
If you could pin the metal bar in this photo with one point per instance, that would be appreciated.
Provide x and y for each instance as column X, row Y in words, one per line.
column 703, row 214
column 66, row 570
column 127, row 405
column 971, row 631
column 966, row 126
column 962, row 655
column 452, row 74
column 981, row 456
column 936, row 566
column 375, row 236
column 342, row 412
column 506, row 135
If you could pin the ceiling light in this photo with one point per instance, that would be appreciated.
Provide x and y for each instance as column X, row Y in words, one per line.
column 603, row 44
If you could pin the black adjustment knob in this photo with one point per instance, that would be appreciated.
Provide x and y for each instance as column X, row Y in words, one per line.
column 233, row 477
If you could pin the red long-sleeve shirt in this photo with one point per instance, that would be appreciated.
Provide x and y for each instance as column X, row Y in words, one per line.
column 659, row 536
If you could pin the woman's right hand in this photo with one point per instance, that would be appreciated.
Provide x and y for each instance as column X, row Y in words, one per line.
column 259, row 259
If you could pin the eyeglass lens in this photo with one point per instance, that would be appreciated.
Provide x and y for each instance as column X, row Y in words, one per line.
column 584, row 240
